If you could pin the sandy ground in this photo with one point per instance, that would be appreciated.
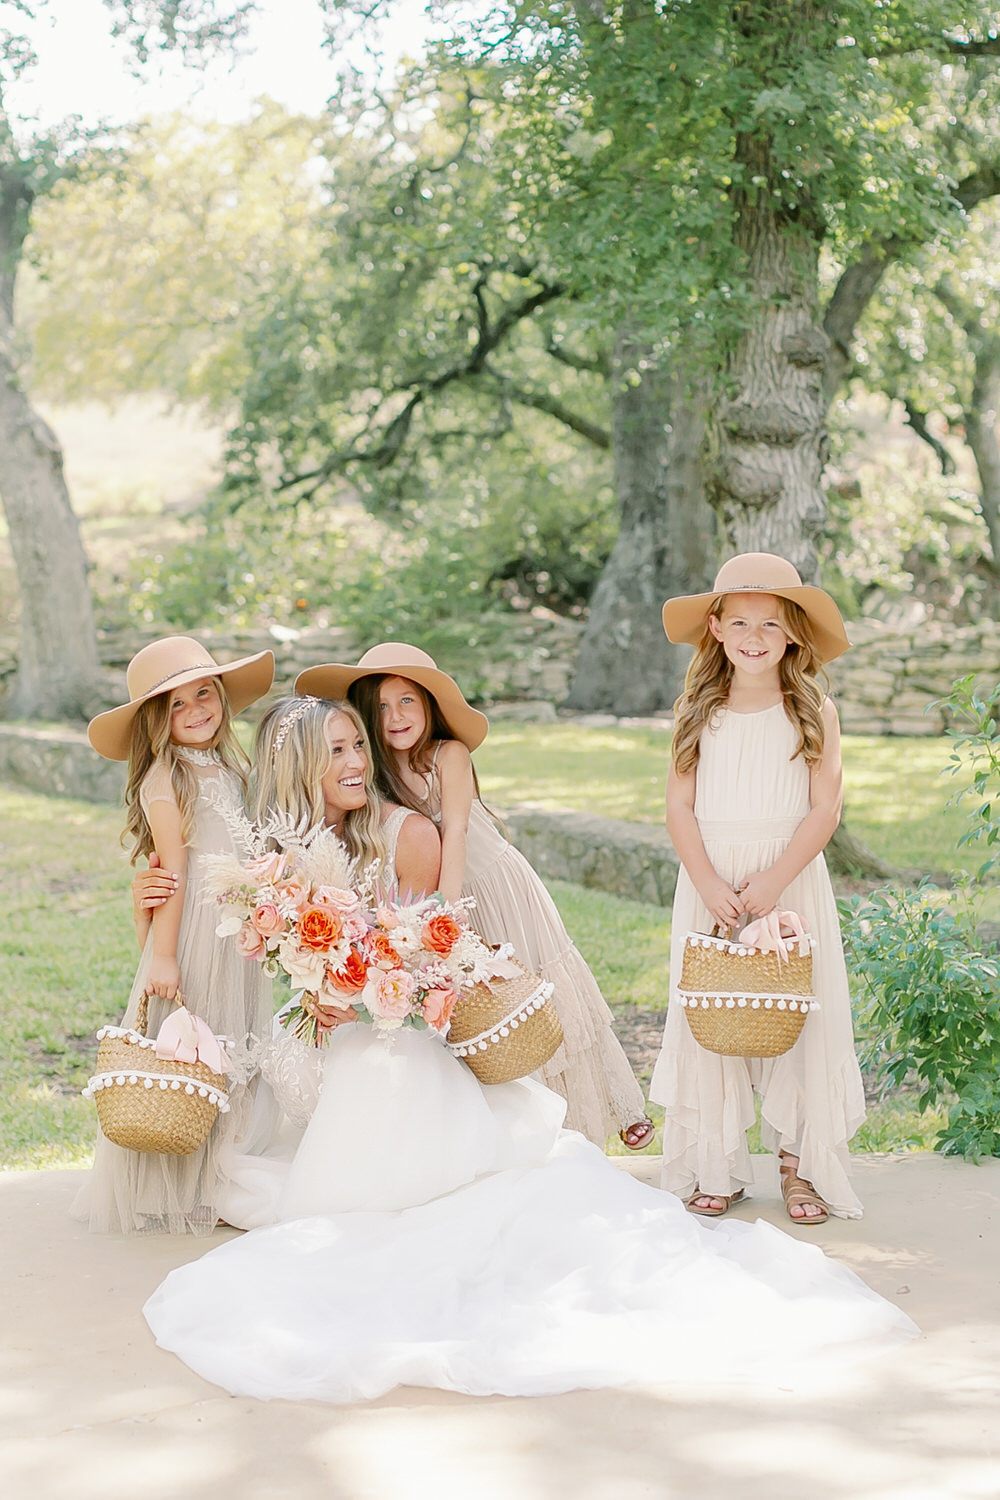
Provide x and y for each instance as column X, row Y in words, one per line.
column 91, row 1408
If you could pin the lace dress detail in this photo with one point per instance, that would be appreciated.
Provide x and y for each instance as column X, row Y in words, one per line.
column 130, row 1192
column 590, row 1070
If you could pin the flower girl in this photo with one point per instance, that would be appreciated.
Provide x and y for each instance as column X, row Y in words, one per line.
column 184, row 765
column 753, row 797
column 422, row 731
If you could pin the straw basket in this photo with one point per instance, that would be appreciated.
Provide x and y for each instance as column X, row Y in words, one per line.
column 505, row 1029
column 742, row 1002
column 150, row 1103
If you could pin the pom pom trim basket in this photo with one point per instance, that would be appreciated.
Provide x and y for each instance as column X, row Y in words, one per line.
column 505, row 1029
column 742, row 1001
column 150, row 1103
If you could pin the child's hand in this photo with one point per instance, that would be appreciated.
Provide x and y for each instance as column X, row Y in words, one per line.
column 760, row 894
column 163, row 978
column 152, row 887
column 722, row 901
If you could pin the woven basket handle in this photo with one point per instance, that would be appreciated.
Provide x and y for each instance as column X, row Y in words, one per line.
column 142, row 1014
column 721, row 929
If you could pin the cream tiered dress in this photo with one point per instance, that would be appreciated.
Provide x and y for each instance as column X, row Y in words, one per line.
column 750, row 798
column 131, row 1192
column 590, row 1070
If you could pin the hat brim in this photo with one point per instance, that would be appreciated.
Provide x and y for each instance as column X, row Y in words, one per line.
column 247, row 679
column 685, row 617
column 333, row 679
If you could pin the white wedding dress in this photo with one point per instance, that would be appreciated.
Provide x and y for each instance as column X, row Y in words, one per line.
column 433, row 1232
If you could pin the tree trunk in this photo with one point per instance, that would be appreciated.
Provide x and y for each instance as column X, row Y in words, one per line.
column 771, row 429
column 982, row 428
column 665, row 543
column 58, row 674
column 58, row 668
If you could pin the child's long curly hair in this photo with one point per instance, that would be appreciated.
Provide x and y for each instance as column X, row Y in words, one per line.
column 706, row 686
column 151, row 743
column 288, row 776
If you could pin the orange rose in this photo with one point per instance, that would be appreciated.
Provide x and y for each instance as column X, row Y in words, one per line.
column 319, row 928
column 351, row 975
column 441, row 934
column 382, row 951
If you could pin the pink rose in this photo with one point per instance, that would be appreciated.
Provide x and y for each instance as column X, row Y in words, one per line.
column 295, row 892
column 437, row 1008
column 249, row 941
column 387, row 918
column 267, row 919
column 355, row 926
column 269, row 869
column 388, row 996
column 341, row 901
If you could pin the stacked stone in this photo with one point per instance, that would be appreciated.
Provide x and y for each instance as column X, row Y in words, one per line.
column 892, row 680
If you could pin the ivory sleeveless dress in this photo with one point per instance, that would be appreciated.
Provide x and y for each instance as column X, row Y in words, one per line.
column 133, row 1192
column 590, row 1070
column 750, row 798
column 434, row 1232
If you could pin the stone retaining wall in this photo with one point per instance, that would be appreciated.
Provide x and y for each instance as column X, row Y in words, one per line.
column 885, row 685
column 888, row 683
column 624, row 859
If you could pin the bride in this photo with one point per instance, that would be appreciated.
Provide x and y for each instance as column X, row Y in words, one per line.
column 430, row 1231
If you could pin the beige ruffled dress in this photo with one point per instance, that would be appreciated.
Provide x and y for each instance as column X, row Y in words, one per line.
column 750, row 798
column 590, row 1070
column 132, row 1192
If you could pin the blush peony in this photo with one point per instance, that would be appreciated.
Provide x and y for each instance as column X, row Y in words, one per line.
column 388, row 996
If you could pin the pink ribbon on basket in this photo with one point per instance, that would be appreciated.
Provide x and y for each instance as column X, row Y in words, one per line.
column 185, row 1037
column 766, row 934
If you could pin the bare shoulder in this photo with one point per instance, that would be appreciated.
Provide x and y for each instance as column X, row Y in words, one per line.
column 418, row 834
column 831, row 719
column 452, row 755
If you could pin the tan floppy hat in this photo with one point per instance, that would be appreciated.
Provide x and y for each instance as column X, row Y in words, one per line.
column 397, row 659
column 759, row 573
column 167, row 664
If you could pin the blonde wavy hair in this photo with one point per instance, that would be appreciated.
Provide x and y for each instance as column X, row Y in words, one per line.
column 708, row 679
column 150, row 744
column 291, row 757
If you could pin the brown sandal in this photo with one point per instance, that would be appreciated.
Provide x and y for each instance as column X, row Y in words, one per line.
column 797, row 1192
column 728, row 1199
column 647, row 1129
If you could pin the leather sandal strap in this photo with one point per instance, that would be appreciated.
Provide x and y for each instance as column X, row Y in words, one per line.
column 797, row 1192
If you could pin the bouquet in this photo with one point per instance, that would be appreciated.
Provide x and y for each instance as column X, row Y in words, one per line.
column 302, row 912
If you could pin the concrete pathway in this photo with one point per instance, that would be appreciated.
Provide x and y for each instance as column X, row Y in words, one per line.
column 90, row 1409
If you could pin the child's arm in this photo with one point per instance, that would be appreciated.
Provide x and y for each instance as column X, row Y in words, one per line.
column 164, row 818
column 457, row 792
column 150, row 888
column 762, row 892
column 682, row 825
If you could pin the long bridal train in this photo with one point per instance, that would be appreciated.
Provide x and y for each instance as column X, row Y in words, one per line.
column 434, row 1233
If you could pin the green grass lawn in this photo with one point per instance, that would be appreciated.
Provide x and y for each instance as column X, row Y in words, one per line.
column 896, row 793
column 68, row 957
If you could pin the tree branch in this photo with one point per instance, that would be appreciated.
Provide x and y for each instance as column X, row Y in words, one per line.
column 860, row 280
column 553, row 407
column 382, row 449
column 917, row 419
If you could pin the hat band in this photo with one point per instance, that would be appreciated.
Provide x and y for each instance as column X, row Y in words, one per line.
column 212, row 665
column 757, row 588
